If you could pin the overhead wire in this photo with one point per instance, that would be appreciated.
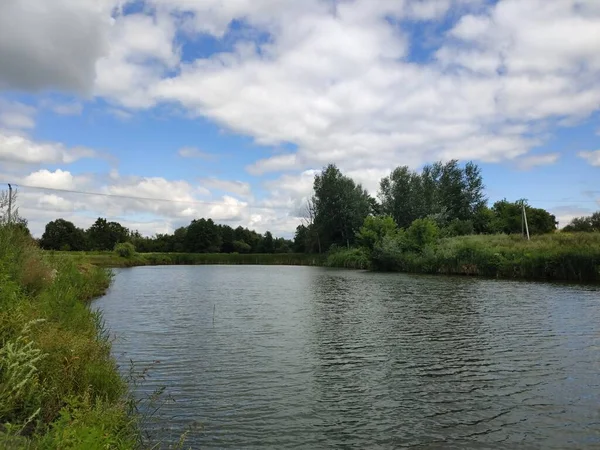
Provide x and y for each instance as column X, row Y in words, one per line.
column 154, row 199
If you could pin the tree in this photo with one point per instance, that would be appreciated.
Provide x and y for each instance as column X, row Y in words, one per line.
column 61, row 234
column 8, row 200
column 103, row 235
column 374, row 229
column 340, row 207
column 444, row 192
column 227, row 239
column 584, row 224
column 508, row 218
column 203, row 236
column 268, row 246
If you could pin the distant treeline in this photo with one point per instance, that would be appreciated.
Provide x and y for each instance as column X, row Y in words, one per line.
column 200, row 236
column 446, row 195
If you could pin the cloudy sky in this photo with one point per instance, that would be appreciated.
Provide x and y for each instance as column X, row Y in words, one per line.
column 227, row 108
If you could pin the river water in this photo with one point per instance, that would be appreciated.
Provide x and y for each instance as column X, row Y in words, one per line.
column 304, row 357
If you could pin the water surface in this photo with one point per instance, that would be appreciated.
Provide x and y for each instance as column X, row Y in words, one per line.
column 303, row 357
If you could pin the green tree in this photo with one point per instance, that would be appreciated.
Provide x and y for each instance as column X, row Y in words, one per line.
column 103, row 235
column 227, row 238
column 584, row 224
column 61, row 234
column 268, row 245
column 421, row 233
column 340, row 207
column 203, row 236
column 374, row 229
column 508, row 218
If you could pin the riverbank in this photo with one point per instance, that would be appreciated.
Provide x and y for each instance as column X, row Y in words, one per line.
column 111, row 259
column 557, row 257
column 59, row 385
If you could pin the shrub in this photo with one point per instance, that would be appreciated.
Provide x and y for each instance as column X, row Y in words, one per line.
column 353, row 258
column 422, row 232
column 125, row 250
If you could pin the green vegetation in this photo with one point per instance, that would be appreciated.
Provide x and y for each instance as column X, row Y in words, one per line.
column 59, row 385
column 585, row 224
column 200, row 236
column 112, row 259
column 437, row 221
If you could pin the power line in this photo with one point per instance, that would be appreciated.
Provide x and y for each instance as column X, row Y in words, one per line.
column 200, row 202
column 153, row 199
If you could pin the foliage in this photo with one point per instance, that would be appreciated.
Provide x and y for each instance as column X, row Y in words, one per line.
column 353, row 258
column 340, row 207
column 125, row 250
column 61, row 234
column 54, row 358
column 104, row 235
column 443, row 190
column 374, row 229
column 584, row 224
column 508, row 218
column 422, row 232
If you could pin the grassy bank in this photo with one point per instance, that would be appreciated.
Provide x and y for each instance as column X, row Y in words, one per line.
column 111, row 259
column 557, row 256
column 59, row 385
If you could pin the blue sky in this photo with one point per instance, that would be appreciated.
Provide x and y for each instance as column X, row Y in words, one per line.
column 227, row 109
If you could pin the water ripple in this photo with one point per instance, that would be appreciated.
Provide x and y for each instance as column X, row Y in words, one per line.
column 291, row 357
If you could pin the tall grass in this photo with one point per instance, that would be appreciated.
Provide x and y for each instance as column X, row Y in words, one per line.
column 59, row 385
column 559, row 256
column 110, row 259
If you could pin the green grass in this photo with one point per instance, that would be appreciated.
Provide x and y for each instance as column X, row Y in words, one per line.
column 59, row 385
column 558, row 256
column 111, row 259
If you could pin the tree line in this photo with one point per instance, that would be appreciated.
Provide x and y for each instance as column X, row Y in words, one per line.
column 448, row 195
column 200, row 236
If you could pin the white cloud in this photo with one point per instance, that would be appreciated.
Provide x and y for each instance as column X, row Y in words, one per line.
column 277, row 163
column 193, row 152
column 68, row 109
column 52, row 44
column 141, row 50
column 233, row 187
column 564, row 214
column 59, row 179
column 15, row 115
column 20, row 149
column 591, row 157
column 529, row 162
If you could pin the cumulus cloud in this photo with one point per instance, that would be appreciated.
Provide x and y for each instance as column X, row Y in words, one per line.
column 15, row 115
column 193, row 152
column 591, row 157
column 529, row 162
column 59, row 179
column 336, row 81
column 67, row 109
column 52, row 45
column 231, row 186
column 20, row 149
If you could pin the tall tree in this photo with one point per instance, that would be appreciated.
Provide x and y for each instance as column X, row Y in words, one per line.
column 61, row 234
column 340, row 207
column 203, row 236
column 103, row 235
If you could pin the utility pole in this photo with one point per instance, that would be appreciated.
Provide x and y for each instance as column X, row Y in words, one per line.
column 9, row 202
column 525, row 220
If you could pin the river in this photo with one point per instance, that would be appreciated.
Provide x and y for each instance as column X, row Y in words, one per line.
column 305, row 357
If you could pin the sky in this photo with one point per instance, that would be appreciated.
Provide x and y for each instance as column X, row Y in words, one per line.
column 227, row 108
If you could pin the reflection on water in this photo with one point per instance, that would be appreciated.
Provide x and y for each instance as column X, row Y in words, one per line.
column 302, row 357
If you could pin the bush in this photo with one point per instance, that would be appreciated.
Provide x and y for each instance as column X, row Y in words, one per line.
column 353, row 258
column 421, row 233
column 125, row 250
